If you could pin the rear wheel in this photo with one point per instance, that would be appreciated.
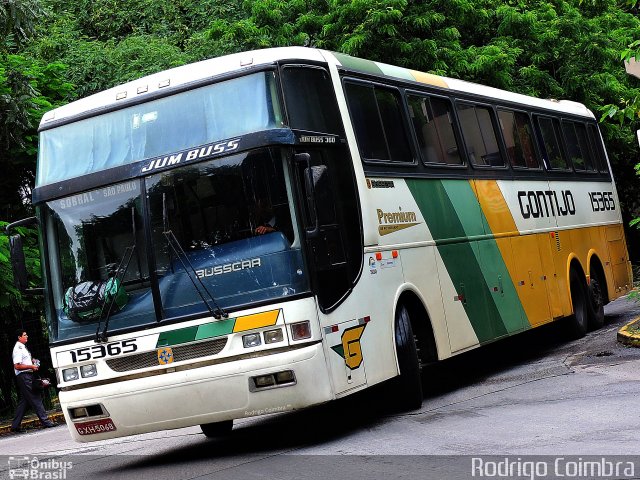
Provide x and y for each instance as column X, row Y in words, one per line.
column 578, row 322
column 596, row 302
column 408, row 389
column 217, row 429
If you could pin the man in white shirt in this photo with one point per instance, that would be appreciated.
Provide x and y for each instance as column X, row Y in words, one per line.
column 24, row 367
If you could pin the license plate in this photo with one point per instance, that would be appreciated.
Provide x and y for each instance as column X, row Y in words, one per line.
column 94, row 427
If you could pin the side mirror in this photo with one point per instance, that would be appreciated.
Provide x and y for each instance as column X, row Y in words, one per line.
column 18, row 263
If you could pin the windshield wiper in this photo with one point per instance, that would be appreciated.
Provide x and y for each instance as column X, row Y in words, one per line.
column 175, row 246
column 117, row 281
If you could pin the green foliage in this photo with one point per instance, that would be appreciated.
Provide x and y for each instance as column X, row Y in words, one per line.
column 28, row 88
column 95, row 66
column 17, row 22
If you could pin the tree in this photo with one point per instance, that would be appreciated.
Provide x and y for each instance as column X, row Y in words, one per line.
column 547, row 48
column 28, row 87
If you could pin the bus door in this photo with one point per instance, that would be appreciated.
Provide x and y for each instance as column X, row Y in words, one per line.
column 334, row 255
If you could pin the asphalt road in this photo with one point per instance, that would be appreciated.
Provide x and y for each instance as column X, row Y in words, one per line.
column 534, row 396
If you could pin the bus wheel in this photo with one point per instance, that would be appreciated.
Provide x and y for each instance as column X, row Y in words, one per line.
column 408, row 391
column 217, row 429
column 577, row 324
column 596, row 302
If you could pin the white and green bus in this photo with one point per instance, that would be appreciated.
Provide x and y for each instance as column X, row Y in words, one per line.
column 275, row 229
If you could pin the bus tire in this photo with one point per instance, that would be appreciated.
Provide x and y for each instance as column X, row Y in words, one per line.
column 408, row 385
column 217, row 429
column 596, row 302
column 578, row 322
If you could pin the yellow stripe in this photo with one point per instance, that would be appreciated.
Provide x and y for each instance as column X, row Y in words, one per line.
column 539, row 263
column 257, row 320
column 526, row 274
column 429, row 78
column 495, row 208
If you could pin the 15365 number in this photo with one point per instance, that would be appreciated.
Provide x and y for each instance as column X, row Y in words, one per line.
column 95, row 352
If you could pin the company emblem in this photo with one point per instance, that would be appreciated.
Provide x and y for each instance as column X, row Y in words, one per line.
column 165, row 356
column 350, row 348
column 390, row 222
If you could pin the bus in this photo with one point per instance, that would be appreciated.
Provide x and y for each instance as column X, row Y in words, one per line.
column 275, row 229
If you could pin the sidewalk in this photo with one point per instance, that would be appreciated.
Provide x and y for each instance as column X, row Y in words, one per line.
column 630, row 333
column 31, row 422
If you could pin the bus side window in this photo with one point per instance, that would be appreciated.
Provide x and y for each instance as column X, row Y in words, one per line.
column 377, row 118
column 479, row 135
column 576, row 143
column 310, row 99
column 432, row 120
column 596, row 149
column 518, row 138
column 554, row 160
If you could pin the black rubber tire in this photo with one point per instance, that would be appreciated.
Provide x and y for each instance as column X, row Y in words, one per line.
column 217, row 429
column 408, row 386
column 595, row 305
column 578, row 322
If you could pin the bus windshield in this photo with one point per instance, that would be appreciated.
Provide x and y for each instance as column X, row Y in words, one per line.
column 224, row 228
column 158, row 127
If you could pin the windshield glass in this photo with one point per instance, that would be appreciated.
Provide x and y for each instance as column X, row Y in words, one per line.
column 196, row 117
column 223, row 228
column 232, row 219
column 89, row 235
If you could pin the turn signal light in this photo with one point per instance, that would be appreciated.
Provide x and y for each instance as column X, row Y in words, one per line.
column 301, row 330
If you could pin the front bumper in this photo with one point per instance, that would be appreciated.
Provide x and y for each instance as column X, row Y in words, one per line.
column 204, row 395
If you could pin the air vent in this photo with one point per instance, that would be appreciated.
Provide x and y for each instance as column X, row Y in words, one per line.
column 180, row 353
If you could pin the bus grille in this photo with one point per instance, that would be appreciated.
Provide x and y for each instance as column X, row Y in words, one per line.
column 180, row 353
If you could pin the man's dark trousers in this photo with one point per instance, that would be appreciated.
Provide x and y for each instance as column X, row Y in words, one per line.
column 28, row 398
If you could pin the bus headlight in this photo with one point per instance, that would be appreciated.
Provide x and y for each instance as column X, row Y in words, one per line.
column 70, row 374
column 273, row 336
column 88, row 370
column 251, row 340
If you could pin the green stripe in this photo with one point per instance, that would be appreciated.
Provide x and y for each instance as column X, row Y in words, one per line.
column 451, row 210
column 198, row 332
column 359, row 64
column 488, row 255
column 397, row 72
column 216, row 329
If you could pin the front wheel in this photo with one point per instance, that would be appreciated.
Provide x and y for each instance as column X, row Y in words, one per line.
column 217, row 429
column 578, row 322
column 409, row 383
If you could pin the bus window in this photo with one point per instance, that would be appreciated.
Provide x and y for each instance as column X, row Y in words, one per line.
column 583, row 141
column 432, row 120
column 518, row 137
column 479, row 135
column 377, row 120
column 575, row 137
column 310, row 100
column 553, row 155
column 596, row 149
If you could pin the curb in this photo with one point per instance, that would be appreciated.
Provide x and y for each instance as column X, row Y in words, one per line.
column 630, row 333
column 29, row 424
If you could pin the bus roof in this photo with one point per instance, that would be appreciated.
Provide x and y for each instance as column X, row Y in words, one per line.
column 204, row 70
